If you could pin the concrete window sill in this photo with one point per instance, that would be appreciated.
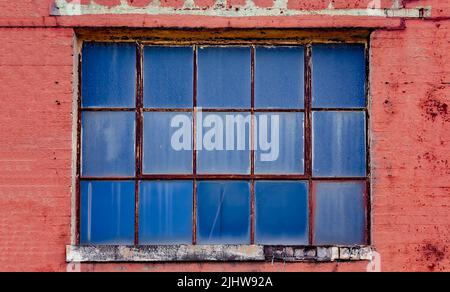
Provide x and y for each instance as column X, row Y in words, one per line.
column 216, row 253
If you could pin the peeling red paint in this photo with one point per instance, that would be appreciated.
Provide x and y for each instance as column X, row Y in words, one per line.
column 433, row 107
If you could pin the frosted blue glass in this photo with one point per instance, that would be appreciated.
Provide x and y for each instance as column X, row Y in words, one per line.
column 338, row 76
column 219, row 157
column 165, row 212
column 339, row 144
column 339, row 216
column 160, row 155
column 223, row 212
column 168, row 77
column 286, row 135
column 279, row 77
column 281, row 213
column 107, row 212
column 108, row 140
column 224, row 77
column 108, row 75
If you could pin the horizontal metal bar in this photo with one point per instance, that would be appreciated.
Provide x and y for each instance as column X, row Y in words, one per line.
column 223, row 110
column 275, row 110
column 339, row 109
column 104, row 109
column 168, row 110
column 224, row 177
column 339, row 178
column 107, row 178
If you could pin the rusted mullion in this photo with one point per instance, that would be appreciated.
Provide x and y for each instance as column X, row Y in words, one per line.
column 368, row 148
column 78, row 158
column 367, row 213
column 87, row 178
column 279, row 110
column 338, row 109
column 308, row 137
column 225, row 110
column 312, row 210
column 194, row 152
column 339, row 179
column 252, row 149
column 224, row 177
column 211, row 177
column 139, row 134
column 101, row 109
column 183, row 110
column 194, row 213
column 247, row 110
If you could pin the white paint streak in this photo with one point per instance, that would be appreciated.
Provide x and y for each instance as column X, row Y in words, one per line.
column 63, row 8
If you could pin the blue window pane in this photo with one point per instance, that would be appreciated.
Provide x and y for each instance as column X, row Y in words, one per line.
column 339, row 216
column 224, row 77
column 107, row 212
column 223, row 143
column 108, row 140
column 165, row 215
column 339, row 76
column 281, row 213
column 279, row 79
column 108, row 75
column 223, row 212
column 167, row 143
column 280, row 143
column 168, row 77
column 339, row 144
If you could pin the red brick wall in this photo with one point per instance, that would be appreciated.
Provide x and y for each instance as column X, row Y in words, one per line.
column 35, row 147
column 411, row 145
column 410, row 92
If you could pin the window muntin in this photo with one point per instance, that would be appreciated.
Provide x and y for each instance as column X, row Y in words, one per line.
column 163, row 175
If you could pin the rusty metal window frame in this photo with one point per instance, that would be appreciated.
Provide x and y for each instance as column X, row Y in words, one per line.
column 139, row 110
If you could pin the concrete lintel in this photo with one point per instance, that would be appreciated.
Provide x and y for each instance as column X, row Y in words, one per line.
column 64, row 8
column 216, row 253
column 165, row 253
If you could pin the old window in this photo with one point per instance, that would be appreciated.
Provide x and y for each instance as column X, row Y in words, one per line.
column 232, row 144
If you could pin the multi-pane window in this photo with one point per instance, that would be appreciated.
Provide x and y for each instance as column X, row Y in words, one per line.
column 249, row 144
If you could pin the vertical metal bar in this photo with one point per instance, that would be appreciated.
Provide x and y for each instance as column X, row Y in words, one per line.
column 308, row 137
column 368, row 149
column 194, row 152
column 312, row 204
column 194, row 213
column 78, row 162
column 252, row 149
column 139, row 133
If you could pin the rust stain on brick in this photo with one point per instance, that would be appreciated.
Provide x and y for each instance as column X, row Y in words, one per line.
column 439, row 165
column 434, row 255
column 433, row 107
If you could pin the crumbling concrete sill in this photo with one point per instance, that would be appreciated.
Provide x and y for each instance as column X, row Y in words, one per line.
column 216, row 253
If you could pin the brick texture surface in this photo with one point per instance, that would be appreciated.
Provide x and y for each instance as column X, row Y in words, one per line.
column 411, row 146
column 410, row 149
column 35, row 147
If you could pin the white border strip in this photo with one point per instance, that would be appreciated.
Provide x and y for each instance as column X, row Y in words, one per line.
column 63, row 8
